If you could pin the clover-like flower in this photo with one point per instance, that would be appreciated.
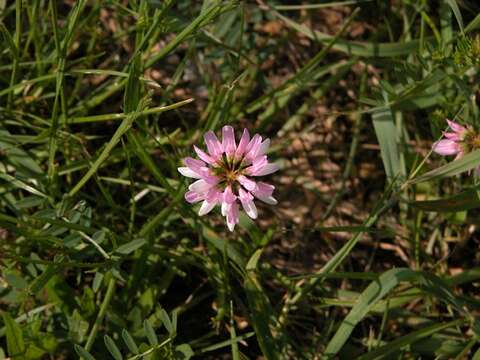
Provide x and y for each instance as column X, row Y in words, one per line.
column 460, row 141
column 453, row 143
column 226, row 175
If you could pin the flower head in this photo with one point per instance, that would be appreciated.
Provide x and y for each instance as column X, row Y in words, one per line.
column 459, row 141
column 226, row 174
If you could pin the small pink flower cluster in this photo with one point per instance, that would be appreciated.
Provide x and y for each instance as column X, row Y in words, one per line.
column 223, row 174
column 459, row 141
column 452, row 144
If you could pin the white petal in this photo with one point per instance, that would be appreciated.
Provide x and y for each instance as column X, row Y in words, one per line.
column 250, row 209
column 266, row 170
column 185, row 171
column 268, row 199
column 230, row 226
column 264, row 147
column 206, row 207
column 224, row 208
column 200, row 186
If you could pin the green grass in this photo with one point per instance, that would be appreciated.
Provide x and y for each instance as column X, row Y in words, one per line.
column 102, row 258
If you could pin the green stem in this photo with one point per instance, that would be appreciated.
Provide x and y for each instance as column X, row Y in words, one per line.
column 101, row 314
column 16, row 60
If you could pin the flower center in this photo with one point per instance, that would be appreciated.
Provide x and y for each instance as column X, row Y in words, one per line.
column 228, row 169
column 471, row 140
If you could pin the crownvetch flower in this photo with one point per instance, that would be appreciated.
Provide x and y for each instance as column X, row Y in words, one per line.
column 227, row 175
column 459, row 141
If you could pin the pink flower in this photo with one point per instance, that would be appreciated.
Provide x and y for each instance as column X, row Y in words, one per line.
column 226, row 175
column 452, row 144
column 459, row 141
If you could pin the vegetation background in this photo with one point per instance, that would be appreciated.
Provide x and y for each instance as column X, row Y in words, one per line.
column 371, row 252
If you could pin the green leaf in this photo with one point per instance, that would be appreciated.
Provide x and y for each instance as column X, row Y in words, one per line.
column 9, row 40
column 84, row 354
column 131, row 246
column 252, row 262
column 39, row 282
column 473, row 25
column 15, row 343
column 77, row 327
column 467, row 162
column 17, row 156
column 456, row 11
column 183, row 352
column 464, row 201
column 367, row 49
column 166, row 322
column 151, row 336
column 387, row 138
column 438, row 346
column 112, row 348
column 226, row 343
column 15, row 280
column 204, row 17
column 132, row 90
column 406, row 340
column 221, row 244
column 128, row 339
column 22, row 185
column 97, row 281
column 121, row 130
column 261, row 316
column 377, row 290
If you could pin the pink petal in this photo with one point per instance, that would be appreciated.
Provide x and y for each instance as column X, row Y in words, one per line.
column 211, row 179
column 257, row 164
column 456, row 127
column 191, row 162
column 253, row 147
column 195, row 165
column 232, row 216
column 213, row 145
column 247, row 183
column 228, row 195
column 228, row 140
column 446, row 147
column 247, row 202
column 204, row 156
column 264, row 189
column 213, row 195
column 185, row 171
column 263, row 147
column 265, row 170
column 200, row 186
column 264, row 192
column 193, row 197
column 206, row 207
column 452, row 136
column 270, row 200
column 242, row 145
column 200, row 168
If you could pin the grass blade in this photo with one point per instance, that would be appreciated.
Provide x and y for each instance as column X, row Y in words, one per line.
column 15, row 343
column 377, row 290
column 122, row 129
column 456, row 11
column 357, row 48
column 466, row 163
column 409, row 339
column 387, row 138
